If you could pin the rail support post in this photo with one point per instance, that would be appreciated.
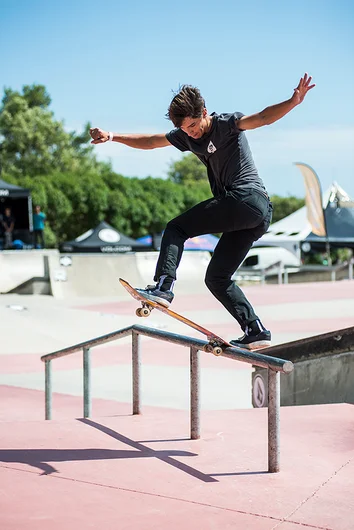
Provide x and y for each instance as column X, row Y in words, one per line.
column 273, row 421
column 195, row 392
column 87, row 382
column 48, row 390
column 136, row 372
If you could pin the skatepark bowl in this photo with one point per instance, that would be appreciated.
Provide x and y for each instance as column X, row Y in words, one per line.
column 272, row 364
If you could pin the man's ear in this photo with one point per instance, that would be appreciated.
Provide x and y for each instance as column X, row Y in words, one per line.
column 205, row 112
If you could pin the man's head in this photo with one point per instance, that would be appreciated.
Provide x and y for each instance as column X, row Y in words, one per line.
column 37, row 208
column 187, row 111
column 7, row 212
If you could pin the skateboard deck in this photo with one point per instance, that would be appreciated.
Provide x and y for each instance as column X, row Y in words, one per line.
column 215, row 345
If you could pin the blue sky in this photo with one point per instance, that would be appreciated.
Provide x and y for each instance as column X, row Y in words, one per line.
column 116, row 63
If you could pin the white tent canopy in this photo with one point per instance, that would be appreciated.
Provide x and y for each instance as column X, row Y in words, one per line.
column 287, row 233
column 294, row 229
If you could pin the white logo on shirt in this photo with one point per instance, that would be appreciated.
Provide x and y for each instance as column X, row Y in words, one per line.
column 211, row 148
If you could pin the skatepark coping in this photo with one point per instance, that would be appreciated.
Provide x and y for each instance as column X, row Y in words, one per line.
column 273, row 364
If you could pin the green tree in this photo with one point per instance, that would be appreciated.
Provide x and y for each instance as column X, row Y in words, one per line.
column 195, row 193
column 165, row 200
column 188, row 169
column 72, row 203
column 284, row 206
column 142, row 206
column 33, row 143
column 87, row 196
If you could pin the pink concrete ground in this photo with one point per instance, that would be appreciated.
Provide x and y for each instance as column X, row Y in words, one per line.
column 266, row 295
column 118, row 471
column 142, row 472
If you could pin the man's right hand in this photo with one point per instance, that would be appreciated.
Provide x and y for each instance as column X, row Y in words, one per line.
column 99, row 136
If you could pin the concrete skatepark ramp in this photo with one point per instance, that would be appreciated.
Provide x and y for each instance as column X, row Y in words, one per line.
column 91, row 275
column 20, row 269
column 324, row 371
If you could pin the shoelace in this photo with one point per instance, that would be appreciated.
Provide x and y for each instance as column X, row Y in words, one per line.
column 151, row 288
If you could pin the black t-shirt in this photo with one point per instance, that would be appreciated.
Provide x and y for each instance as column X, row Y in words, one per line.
column 225, row 152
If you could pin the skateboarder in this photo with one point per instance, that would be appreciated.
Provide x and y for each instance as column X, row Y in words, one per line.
column 240, row 206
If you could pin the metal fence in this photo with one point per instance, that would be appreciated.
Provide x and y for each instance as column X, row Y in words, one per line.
column 282, row 271
column 333, row 269
column 273, row 364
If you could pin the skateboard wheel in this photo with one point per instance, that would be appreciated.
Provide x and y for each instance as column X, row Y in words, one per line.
column 145, row 312
column 138, row 312
column 217, row 350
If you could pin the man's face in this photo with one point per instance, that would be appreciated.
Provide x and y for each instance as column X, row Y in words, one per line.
column 7, row 212
column 196, row 127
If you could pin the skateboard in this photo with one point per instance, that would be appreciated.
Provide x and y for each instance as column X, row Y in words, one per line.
column 216, row 344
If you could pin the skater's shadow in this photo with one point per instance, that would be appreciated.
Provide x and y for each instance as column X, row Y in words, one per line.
column 44, row 458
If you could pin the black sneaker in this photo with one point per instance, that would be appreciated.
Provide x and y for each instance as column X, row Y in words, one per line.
column 256, row 337
column 151, row 292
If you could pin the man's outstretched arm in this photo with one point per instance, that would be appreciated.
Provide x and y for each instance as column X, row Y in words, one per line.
column 275, row 112
column 138, row 141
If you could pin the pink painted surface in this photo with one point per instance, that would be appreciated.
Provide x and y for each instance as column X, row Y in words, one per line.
column 258, row 295
column 143, row 472
column 120, row 471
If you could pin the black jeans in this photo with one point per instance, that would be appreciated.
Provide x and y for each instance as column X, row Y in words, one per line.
column 38, row 238
column 243, row 216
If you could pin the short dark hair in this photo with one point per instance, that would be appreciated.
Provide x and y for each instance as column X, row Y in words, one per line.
column 187, row 103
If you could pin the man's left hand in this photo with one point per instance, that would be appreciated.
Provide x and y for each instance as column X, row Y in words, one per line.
column 301, row 90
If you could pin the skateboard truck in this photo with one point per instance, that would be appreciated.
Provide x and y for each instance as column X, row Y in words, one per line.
column 144, row 310
column 213, row 348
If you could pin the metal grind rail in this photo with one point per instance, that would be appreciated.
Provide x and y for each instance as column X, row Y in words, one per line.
column 273, row 364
